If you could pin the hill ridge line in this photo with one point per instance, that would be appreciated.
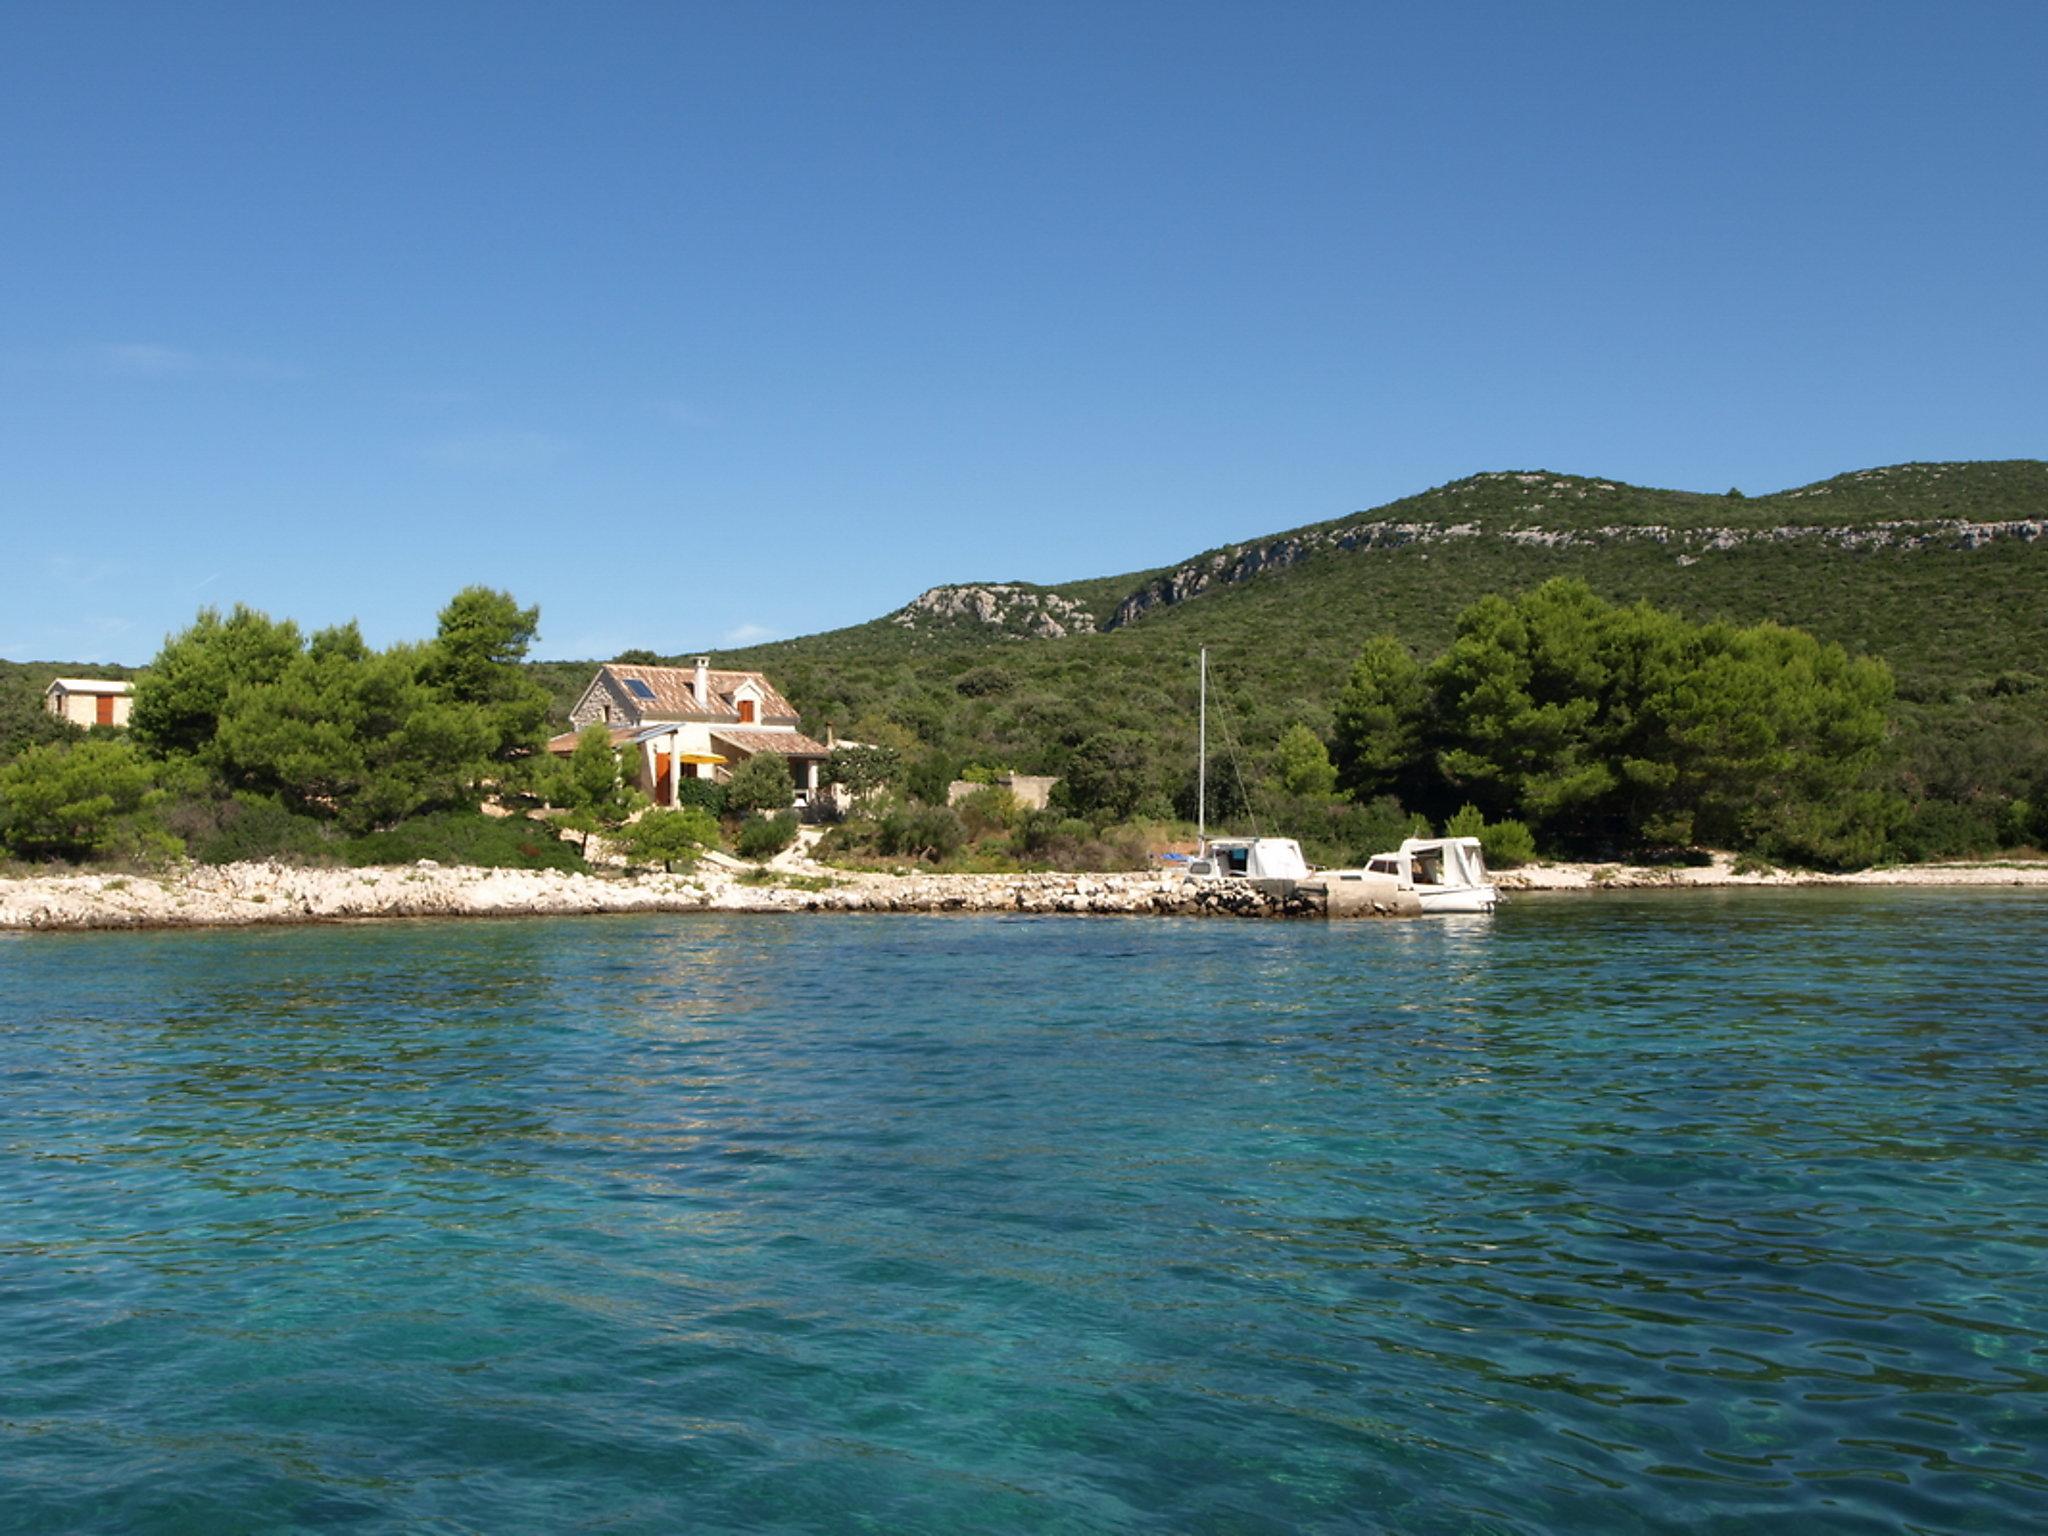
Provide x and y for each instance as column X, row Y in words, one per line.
column 1026, row 610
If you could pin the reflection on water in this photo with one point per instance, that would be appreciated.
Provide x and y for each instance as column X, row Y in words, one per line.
column 1658, row 1214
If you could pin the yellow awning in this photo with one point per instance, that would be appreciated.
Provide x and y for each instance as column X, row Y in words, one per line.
column 698, row 757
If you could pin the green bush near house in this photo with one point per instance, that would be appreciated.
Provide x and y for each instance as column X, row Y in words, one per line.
column 761, row 783
column 923, row 832
column 762, row 837
column 705, row 794
column 669, row 838
column 988, row 809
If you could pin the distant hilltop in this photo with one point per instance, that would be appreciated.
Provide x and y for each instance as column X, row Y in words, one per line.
column 1959, row 506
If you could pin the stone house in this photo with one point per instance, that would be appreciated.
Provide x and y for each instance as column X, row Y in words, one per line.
column 87, row 701
column 673, row 723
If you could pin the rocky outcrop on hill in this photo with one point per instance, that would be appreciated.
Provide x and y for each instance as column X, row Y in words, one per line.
column 1241, row 562
column 1013, row 610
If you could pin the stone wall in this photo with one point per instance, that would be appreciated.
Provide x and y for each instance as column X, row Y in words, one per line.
column 1032, row 792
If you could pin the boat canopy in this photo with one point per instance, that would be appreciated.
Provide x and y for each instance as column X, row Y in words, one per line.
column 1257, row 858
column 1453, row 861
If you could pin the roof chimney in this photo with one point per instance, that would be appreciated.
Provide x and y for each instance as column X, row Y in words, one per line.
column 702, row 687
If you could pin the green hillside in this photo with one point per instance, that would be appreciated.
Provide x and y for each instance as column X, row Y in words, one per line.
column 1941, row 569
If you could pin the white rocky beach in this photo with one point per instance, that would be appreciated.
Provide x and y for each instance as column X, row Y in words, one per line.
column 258, row 893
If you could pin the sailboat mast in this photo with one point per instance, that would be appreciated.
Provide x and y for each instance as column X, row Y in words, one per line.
column 1202, row 762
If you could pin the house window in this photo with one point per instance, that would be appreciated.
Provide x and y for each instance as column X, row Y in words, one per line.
column 746, row 711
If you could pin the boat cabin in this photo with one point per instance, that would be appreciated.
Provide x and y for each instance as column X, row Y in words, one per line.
column 1449, row 873
column 1251, row 858
column 1453, row 861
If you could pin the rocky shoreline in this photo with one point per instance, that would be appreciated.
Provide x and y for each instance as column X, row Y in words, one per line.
column 236, row 895
column 233, row 895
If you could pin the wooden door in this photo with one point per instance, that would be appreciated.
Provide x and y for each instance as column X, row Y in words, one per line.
column 103, row 709
column 664, row 789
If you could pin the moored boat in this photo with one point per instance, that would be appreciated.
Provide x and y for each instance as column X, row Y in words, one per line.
column 1447, row 874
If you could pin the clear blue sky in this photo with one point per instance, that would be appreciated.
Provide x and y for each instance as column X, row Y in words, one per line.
column 700, row 323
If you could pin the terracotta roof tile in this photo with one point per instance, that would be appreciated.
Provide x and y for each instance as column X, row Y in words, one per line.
column 788, row 743
column 674, row 690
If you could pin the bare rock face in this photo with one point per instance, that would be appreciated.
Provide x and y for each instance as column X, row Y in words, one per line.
column 1013, row 610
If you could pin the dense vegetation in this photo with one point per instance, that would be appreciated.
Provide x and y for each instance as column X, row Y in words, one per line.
column 1963, row 629
column 1606, row 728
column 249, row 739
column 257, row 736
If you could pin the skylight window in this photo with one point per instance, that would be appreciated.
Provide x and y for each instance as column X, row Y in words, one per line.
column 639, row 690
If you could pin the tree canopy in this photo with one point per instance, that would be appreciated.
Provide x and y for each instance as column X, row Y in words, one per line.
column 1617, row 728
column 761, row 783
column 75, row 799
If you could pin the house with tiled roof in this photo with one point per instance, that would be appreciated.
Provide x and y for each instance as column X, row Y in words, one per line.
column 673, row 723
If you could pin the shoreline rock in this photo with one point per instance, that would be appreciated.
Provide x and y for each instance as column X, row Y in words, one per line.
column 243, row 895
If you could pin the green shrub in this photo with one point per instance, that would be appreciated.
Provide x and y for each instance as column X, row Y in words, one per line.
column 703, row 794
column 762, row 837
column 988, row 809
column 979, row 682
column 930, row 832
column 1948, row 829
column 852, row 838
column 669, row 838
column 466, row 837
column 24, row 723
column 1380, row 825
column 249, row 827
column 1506, row 844
column 761, row 783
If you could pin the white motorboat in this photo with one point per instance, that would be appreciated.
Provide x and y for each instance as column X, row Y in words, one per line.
column 1447, row 874
column 1249, row 858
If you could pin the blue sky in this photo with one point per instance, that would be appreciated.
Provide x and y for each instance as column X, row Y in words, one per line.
column 695, row 324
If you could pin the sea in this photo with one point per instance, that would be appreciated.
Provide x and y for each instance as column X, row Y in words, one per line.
column 1657, row 1212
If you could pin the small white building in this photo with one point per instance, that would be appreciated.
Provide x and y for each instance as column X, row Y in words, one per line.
column 88, row 701
column 673, row 723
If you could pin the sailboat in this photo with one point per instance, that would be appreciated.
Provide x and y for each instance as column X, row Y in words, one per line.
column 1440, row 874
column 1240, row 858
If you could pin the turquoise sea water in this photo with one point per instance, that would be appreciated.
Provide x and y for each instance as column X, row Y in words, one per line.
column 1673, row 1213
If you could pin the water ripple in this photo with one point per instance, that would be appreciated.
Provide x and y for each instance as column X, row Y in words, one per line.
column 1666, row 1214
